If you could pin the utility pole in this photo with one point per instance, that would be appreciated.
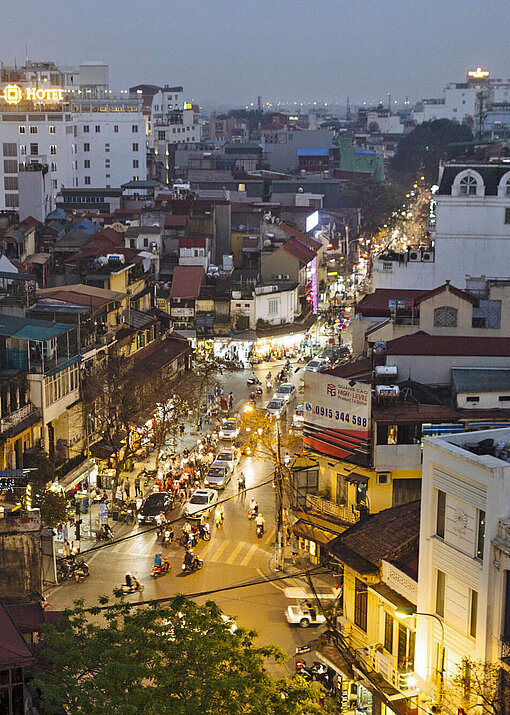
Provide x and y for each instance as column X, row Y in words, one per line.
column 278, row 483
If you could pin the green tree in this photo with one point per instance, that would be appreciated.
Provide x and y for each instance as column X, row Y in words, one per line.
column 182, row 659
column 51, row 504
column 480, row 686
column 420, row 151
column 376, row 200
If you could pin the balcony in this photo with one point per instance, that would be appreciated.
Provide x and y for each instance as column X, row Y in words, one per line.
column 502, row 539
column 15, row 418
column 329, row 509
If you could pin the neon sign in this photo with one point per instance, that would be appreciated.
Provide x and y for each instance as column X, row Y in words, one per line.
column 14, row 94
column 478, row 73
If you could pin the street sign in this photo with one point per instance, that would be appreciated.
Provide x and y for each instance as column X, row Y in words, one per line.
column 303, row 649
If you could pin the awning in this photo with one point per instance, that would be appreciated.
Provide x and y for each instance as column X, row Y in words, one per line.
column 101, row 450
column 38, row 258
column 356, row 478
column 313, row 533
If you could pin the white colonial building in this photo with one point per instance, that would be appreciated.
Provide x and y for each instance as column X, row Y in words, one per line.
column 464, row 565
column 472, row 231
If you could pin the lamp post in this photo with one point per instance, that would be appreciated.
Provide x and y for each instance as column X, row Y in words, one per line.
column 406, row 613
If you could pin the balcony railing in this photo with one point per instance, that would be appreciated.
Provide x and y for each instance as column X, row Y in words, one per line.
column 329, row 508
column 15, row 418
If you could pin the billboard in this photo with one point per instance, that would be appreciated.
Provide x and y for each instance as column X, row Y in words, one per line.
column 312, row 221
column 337, row 417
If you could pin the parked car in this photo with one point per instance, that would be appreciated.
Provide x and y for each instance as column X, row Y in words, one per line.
column 298, row 417
column 285, row 392
column 228, row 456
column 229, row 428
column 276, row 408
column 153, row 506
column 219, row 475
column 317, row 364
column 201, row 502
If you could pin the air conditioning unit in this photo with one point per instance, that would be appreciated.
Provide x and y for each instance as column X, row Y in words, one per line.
column 383, row 477
column 427, row 256
column 414, row 256
column 285, row 277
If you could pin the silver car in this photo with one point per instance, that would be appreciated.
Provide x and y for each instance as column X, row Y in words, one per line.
column 201, row 502
column 276, row 408
column 218, row 475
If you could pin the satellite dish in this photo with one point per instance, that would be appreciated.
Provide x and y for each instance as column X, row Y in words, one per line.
column 380, row 347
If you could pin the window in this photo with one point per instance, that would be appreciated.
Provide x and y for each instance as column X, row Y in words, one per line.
column 132, row 243
column 472, row 398
column 23, row 150
column 33, row 130
column 480, row 534
column 505, row 636
column 107, row 148
column 107, row 163
column 487, row 314
column 10, row 166
column 12, row 200
column 161, row 135
column 146, row 242
column 360, row 605
column 445, row 317
column 115, row 128
column 504, row 398
column 86, row 180
column 388, row 632
column 441, row 513
column 86, row 147
column 468, row 186
column 10, row 149
column 387, row 266
column 507, row 187
column 136, row 178
column 85, row 128
column 53, row 166
column 54, row 183
column 135, row 163
column 135, row 147
column 22, row 130
column 52, row 129
column 273, row 306
column 440, row 592
column 53, row 149
column 134, row 128
column 97, row 128
column 11, row 183
column 86, row 163
column 34, row 149
column 473, row 610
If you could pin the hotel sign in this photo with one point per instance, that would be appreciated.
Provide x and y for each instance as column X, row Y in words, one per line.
column 14, row 94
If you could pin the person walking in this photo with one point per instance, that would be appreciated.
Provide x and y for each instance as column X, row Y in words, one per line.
column 181, row 430
column 230, row 400
column 118, row 495
column 138, row 491
column 127, row 488
column 218, row 516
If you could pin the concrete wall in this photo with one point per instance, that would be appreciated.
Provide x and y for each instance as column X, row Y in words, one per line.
column 436, row 370
column 283, row 157
column 20, row 556
column 279, row 262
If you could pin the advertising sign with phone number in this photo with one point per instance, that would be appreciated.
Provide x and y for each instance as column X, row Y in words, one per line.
column 337, row 417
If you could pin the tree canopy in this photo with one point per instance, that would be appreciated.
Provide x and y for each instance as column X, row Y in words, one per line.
column 181, row 658
column 376, row 200
column 421, row 150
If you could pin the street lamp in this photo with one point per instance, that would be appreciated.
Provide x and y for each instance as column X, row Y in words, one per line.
column 406, row 613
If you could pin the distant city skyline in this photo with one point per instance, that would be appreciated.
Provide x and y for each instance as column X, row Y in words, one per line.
column 227, row 53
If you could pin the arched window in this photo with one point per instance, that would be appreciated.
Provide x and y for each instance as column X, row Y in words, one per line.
column 507, row 187
column 468, row 186
column 445, row 317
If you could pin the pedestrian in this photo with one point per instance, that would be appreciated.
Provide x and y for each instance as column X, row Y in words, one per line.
column 218, row 516
column 118, row 495
column 127, row 488
column 181, row 430
column 230, row 400
column 138, row 491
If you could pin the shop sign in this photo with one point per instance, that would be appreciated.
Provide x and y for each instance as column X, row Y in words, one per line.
column 14, row 94
column 337, row 417
column 182, row 312
column 9, row 483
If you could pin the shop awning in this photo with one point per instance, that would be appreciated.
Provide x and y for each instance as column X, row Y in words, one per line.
column 101, row 450
column 356, row 478
column 313, row 533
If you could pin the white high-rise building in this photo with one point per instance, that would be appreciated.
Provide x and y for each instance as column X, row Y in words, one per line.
column 82, row 135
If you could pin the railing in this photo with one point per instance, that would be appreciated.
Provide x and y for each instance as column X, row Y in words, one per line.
column 329, row 508
column 15, row 418
column 377, row 661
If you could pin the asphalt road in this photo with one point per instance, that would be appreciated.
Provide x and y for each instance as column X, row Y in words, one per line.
column 232, row 557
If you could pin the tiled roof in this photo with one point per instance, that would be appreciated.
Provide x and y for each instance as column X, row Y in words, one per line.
column 14, row 652
column 435, row 345
column 175, row 221
column 192, row 242
column 160, row 353
column 81, row 294
column 134, row 231
column 376, row 304
column 299, row 251
column 446, row 287
column 186, row 282
column 392, row 534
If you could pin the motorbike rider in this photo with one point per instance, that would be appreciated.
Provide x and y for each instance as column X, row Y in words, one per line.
column 254, row 507
column 241, row 481
column 189, row 558
column 203, row 529
column 260, row 522
column 107, row 532
column 129, row 580
column 158, row 563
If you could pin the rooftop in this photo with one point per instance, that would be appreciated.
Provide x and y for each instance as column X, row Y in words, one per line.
column 435, row 345
column 27, row 329
column 186, row 282
column 480, row 379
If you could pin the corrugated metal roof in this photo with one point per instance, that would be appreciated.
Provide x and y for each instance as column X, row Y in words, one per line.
column 480, row 379
column 13, row 327
column 313, row 152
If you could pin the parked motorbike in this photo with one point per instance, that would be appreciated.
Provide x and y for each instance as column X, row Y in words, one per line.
column 106, row 533
column 161, row 570
column 81, row 571
column 253, row 380
column 303, row 670
column 193, row 566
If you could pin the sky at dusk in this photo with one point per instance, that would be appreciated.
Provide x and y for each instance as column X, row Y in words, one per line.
column 228, row 52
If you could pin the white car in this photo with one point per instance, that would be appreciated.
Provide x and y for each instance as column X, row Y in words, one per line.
column 276, row 408
column 298, row 417
column 317, row 364
column 304, row 616
column 219, row 475
column 228, row 456
column 229, row 429
column 285, row 392
column 201, row 502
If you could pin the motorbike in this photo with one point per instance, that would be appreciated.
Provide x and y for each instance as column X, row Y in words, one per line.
column 259, row 390
column 303, row 670
column 269, row 384
column 253, row 380
column 81, row 571
column 195, row 565
column 260, row 531
column 166, row 537
column 106, row 534
column 252, row 513
column 204, row 533
column 124, row 589
column 161, row 570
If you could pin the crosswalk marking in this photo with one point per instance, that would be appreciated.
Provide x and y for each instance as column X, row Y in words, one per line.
column 253, row 548
column 216, row 556
column 235, row 552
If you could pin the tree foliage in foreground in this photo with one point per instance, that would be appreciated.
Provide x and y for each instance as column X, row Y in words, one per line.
column 481, row 687
column 181, row 658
